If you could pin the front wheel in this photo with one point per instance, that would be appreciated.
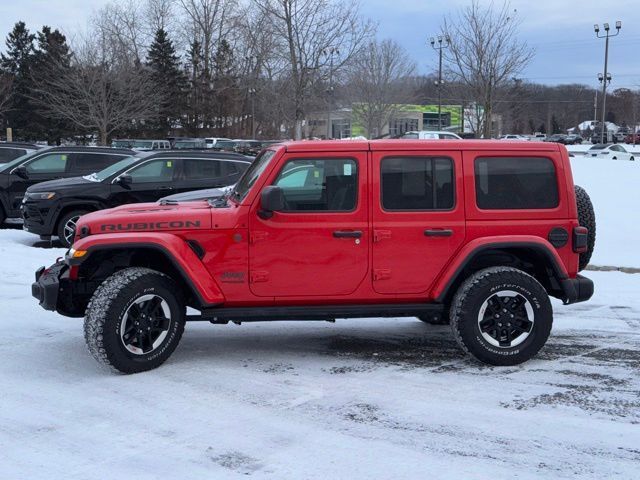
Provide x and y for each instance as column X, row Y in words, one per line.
column 632, row 159
column 134, row 320
column 501, row 316
column 67, row 227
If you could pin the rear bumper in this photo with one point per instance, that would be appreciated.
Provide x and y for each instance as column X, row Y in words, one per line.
column 579, row 289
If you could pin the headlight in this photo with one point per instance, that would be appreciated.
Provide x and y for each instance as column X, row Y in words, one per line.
column 40, row 195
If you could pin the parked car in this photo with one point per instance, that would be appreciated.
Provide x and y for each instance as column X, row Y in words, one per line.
column 430, row 135
column 12, row 150
column 213, row 141
column 468, row 233
column 633, row 138
column 248, row 147
column 613, row 152
column 148, row 145
column 190, row 144
column 538, row 137
column 225, row 145
column 53, row 208
column 572, row 139
column 48, row 164
column 122, row 143
column 556, row 137
column 520, row 138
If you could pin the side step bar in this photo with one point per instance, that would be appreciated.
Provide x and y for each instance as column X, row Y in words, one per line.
column 316, row 312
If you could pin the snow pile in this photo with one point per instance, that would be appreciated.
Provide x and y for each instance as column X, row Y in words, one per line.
column 614, row 188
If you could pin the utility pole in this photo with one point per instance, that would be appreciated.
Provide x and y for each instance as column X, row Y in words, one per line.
column 330, row 52
column 606, row 76
column 595, row 106
column 438, row 44
column 252, row 92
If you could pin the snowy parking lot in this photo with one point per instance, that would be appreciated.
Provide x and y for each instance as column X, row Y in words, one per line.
column 368, row 398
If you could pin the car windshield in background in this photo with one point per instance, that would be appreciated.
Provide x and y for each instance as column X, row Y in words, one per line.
column 141, row 144
column 251, row 175
column 189, row 144
column 121, row 144
column 111, row 170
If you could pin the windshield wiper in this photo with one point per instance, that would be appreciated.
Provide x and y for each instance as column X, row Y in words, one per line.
column 168, row 201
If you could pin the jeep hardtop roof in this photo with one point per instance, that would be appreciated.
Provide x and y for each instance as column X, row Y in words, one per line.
column 399, row 144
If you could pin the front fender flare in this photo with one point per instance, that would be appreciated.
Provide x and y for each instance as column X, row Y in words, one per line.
column 176, row 250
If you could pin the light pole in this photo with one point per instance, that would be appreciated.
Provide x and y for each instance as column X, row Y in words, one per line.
column 252, row 92
column 605, row 80
column 440, row 43
column 605, row 76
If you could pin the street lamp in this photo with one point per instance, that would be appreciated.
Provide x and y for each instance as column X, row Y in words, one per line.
column 438, row 44
column 252, row 92
column 606, row 77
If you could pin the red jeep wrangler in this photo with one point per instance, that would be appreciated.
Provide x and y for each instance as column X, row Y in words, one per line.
column 477, row 234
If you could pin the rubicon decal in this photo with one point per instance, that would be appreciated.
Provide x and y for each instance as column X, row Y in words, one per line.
column 123, row 227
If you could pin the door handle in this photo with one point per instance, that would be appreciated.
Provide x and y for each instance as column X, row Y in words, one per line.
column 347, row 234
column 165, row 188
column 438, row 233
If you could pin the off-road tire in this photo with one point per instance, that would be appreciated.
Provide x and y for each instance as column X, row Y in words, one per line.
column 110, row 303
column 586, row 218
column 468, row 301
column 60, row 228
column 435, row 319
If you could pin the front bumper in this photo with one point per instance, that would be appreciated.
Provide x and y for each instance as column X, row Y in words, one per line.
column 38, row 217
column 47, row 285
column 579, row 289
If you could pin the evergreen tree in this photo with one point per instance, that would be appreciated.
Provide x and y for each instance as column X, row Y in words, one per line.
column 166, row 73
column 195, row 96
column 17, row 63
column 555, row 126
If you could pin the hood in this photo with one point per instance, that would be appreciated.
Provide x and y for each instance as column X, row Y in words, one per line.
column 146, row 217
column 194, row 195
column 52, row 185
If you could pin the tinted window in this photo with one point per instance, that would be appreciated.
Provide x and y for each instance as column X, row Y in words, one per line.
column 153, row 171
column 410, row 135
column 515, row 183
column 8, row 154
column 95, row 162
column 51, row 163
column 199, row 169
column 319, row 184
column 417, row 183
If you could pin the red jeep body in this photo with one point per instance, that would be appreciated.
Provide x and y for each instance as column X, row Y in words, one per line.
column 234, row 262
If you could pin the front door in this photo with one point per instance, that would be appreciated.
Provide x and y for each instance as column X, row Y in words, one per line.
column 318, row 245
column 418, row 218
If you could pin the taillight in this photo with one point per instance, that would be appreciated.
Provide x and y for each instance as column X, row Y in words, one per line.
column 580, row 237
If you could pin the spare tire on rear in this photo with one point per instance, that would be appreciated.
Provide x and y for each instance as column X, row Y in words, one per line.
column 587, row 219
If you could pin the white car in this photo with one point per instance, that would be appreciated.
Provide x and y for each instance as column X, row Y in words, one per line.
column 430, row 135
column 517, row 138
column 212, row 141
column 611, row 151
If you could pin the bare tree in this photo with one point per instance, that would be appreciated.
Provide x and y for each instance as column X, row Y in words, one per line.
column 121, row 26
column 485, row 53
column 98, row 94
column 307, row 30
column 378, row 82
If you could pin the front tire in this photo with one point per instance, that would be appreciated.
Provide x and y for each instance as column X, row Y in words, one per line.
column 501, row 316
column 66, row 229
column 134, row 320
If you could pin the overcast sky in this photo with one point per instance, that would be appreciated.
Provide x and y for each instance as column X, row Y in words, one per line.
column 560, row 31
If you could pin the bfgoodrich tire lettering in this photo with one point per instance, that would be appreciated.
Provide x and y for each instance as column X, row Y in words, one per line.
column 500, row 282
column 111, row 303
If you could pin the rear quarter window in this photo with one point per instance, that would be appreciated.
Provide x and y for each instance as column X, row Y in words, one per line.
column 515, row 183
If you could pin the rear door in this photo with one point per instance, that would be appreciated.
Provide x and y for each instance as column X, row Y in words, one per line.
column 319, row 244
column 418, row 218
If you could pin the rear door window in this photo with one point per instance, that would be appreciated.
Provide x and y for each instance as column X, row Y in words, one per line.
column 515, row 183
column 195, row 169
column 49, row 163
column 154, row 171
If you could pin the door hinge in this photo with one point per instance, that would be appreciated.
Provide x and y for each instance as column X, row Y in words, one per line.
column 381, row 274
column 257, row 236
column 259, row 276
column 379, row 235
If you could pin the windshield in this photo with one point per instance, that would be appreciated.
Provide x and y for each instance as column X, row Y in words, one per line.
column 13, row 163
column 141, row 144
column 115, row 168
column 252, row 174
column 600, row 146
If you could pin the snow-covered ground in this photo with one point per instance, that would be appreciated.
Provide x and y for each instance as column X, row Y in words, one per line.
column 614, row 188
column 358, row 399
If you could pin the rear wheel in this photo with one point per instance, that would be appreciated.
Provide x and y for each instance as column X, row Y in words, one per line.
column 134, row 320
column 66, row 230
column 501, row 316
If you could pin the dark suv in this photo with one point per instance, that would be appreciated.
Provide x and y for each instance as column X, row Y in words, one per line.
column 52, row 208
column 48, row 164
column 12, row 150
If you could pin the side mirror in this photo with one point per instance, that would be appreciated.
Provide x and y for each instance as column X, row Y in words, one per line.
column 271, row 200
column 125, row 181
column 22, row 172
